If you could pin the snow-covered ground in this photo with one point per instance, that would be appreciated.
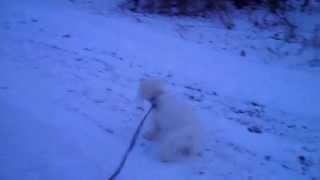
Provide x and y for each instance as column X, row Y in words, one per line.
column 69, row 71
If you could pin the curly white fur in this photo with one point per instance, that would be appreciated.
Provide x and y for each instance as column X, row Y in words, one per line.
column 173, row 122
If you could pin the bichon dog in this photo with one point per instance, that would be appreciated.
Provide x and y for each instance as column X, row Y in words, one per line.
column 173, row 123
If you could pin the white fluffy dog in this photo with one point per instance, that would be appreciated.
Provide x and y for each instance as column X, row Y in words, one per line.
column 173, row 122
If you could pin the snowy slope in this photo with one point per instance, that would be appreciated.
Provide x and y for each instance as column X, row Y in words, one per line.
column 69, row 71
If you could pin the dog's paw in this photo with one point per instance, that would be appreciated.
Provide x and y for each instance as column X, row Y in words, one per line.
column 186, row 151
column 164, row 160
column 150, row 135
column 165, row 157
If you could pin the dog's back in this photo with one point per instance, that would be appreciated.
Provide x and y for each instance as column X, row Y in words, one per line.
column 179, row 128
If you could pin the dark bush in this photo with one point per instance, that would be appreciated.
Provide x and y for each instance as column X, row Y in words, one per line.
column 198, row 7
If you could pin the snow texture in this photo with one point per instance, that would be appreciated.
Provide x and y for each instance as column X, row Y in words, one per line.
column 69, row 74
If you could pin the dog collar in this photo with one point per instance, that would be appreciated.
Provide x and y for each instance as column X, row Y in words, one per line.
column 153, row 102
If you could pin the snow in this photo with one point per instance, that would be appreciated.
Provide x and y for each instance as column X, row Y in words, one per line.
column 69, row 71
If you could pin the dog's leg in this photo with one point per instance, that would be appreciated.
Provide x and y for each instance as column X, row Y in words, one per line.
column 167, row 150
column 153, row 132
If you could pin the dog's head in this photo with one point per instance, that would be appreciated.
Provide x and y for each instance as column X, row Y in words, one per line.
column 151, row 89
